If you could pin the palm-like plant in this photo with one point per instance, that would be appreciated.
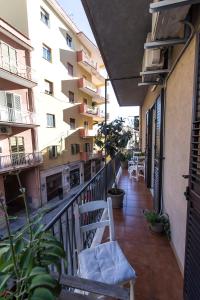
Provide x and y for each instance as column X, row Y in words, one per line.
column 26, row 257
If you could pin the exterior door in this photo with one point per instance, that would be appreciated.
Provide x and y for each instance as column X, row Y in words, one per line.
column 192, row 251
column 158, row 153
column 148, row 150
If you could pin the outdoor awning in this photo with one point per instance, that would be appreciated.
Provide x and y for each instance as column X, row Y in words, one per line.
column 120, row 28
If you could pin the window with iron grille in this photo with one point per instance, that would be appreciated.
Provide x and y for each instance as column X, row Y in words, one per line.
column 69, row 40
column 51, row 121
column 44, row 16
column 70, row 69
column 72, row 123
column 75, row 149
column 48, row 87
column 71, row 97
column 46, row 53
column 53, row 152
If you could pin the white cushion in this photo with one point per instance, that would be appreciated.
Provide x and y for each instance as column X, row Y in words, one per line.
column 105, row 263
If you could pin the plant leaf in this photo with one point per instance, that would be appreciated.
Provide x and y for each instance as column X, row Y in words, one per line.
column 3, row 280
column 44, row 280
column 42, row 294
column 38, row 271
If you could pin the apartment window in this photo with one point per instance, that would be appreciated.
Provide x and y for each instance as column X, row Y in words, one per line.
column 69, row 40
column 46, row 53
column 48, row 87
column 51, row 121
column 87, row 147
column 53, row 152
column 72, row 123
column 85, row 100
column 44, row 16
column 86, row 124
column 71, row 97
column 75, row 149
column 17, row 144
column 70, row 69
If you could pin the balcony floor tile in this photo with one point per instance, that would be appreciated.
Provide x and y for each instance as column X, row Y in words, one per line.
column 159, row 277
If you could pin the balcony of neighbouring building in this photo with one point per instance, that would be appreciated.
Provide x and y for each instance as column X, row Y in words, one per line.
column 86, row 62
column 17, row 118
column 15, row 72
column 18, row 161
column 88, row 87
column 90, row 155
column 92, row 111
column 87, row 133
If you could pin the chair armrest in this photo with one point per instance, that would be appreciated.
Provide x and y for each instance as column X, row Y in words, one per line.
column 95, row 287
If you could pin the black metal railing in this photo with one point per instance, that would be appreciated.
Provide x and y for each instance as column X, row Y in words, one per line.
column 63, row 224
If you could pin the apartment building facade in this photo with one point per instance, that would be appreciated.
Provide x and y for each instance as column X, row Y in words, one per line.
column 68, row 97
column 18, row 122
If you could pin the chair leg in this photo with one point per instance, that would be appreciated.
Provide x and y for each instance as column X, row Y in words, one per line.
column 132, row 282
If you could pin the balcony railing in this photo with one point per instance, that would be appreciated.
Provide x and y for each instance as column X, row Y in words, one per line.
column 91, row 110
column 63, row 224
column 20, row 160
column 84, row 57
column 21, row 70
column 12, row 115
column 87, row 133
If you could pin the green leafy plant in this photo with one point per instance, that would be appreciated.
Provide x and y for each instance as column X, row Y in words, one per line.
column 113, row 138
column 154, row 218
column 26, row 257
column 124, row 155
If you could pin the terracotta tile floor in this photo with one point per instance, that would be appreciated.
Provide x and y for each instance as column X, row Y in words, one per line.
column 150, row 254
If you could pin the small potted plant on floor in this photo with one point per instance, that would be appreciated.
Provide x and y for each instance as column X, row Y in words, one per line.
column 158, row 222
column 124, row 157
column 26, row 258
column 113, row 138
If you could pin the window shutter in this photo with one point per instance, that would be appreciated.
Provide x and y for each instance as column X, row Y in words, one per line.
column 3, row 98
column 17, row 102
column 192, row 257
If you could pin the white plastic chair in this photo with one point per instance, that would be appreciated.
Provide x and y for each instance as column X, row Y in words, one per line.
column 137, row 168
column 103, row 262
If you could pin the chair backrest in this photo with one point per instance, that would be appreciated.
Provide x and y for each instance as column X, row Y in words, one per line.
column 105, row 219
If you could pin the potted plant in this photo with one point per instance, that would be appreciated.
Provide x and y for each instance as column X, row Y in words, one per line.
column 25, row 260
column 113, row 138
column 124, row 157
column 158, row 222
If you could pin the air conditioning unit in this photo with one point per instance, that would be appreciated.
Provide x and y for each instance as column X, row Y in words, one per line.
column 168, row 23
column 153, row 58
column 5, row 130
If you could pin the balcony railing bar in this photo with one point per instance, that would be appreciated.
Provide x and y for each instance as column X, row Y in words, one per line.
column 20, row 159
column 63, row 224
column 19, row 69
column 12, row 115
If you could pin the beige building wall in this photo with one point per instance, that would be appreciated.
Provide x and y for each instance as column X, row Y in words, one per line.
column 178, row 118
column 13, row 12
column 179, row 96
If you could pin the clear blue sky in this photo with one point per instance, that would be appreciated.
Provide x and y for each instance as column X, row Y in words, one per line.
column 76, row 12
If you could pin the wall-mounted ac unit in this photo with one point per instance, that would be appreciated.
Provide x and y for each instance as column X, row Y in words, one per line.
column 168, row 23
column 5, row 130
column 153, row 58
